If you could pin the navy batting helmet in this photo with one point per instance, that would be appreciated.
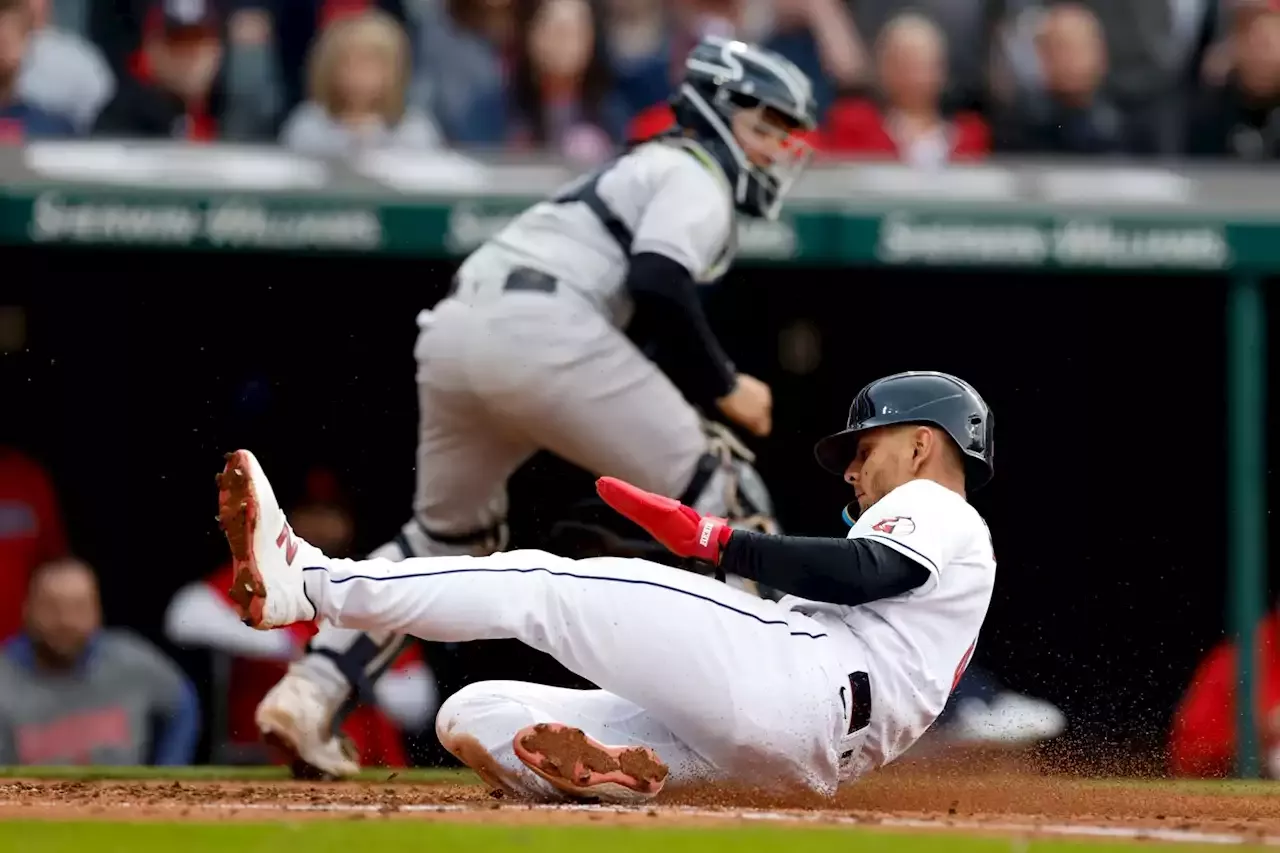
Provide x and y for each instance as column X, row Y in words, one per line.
column 918, row 397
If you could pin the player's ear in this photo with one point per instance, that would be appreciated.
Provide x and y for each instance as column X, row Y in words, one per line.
column 919, row 442
column 922, row 443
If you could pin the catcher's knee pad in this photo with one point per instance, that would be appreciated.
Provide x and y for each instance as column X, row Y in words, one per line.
column 415, row 539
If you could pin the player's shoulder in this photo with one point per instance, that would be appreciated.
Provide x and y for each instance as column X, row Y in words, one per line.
column 131, row 652
column 668, row 161
column 929, row 497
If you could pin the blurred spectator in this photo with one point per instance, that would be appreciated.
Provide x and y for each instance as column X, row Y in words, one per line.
column 561, row 82
column 688, row 22
column 250, row 80
column 201, row 615
column 820, row 38
column 909, row 125
column 1154, row 48
column 64, row 73
column 1068, row 115
column 640, row 53
column 298, row 24
column 1241, row 119
column 694, row 19
column 462, row 50
column 1203, row 738
column 1232, row 20
column 72, row 692
column 246, row 89
column 21, row 119
column 31, row 531
column 168, row 88
column 966, row 25
column 359, row 72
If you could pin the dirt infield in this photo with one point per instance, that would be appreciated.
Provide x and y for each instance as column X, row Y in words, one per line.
column 993, row 800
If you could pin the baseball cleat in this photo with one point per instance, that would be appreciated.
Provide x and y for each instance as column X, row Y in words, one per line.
column 585, row 769
column 294, row 717
column 267, row 557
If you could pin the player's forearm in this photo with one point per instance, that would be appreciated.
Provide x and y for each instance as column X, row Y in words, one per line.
column 837, row 571
column 669, row 314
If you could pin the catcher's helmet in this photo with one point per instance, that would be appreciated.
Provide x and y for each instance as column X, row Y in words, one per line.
column 918, row 397
column 722, row 76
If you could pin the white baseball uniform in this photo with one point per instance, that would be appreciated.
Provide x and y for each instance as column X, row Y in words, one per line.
column 721, row 684
column 917, row 645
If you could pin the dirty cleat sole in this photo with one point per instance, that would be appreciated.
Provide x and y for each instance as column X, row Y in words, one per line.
column 584, row 768
column 238, row 517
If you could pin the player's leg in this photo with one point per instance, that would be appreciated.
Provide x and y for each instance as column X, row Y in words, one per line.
column 560, row 377
column 749, row 685
column 501, row 729
column 462, row 467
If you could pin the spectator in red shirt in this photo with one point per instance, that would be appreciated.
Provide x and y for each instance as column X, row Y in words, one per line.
column 31, row 532
column 1203, row 739
column 909, row 124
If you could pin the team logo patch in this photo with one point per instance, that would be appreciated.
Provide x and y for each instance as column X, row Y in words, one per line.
column 898, row 525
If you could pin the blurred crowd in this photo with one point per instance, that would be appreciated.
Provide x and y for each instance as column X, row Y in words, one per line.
column 925, row 83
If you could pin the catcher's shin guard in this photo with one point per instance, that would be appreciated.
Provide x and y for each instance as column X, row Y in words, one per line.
column 345, row 664
column 361, row 659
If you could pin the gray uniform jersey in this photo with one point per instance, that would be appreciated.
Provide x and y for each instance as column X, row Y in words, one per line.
column 103, row 714
column 667, row 196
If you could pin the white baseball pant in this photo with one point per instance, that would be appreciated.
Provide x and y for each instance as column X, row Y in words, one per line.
column 723, row 685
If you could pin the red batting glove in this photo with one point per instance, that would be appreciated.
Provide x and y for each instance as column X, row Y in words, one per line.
column 683, row 530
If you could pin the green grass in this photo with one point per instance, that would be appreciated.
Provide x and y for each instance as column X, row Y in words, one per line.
column 1225, row 787
column 222, row 774
column 397, row 836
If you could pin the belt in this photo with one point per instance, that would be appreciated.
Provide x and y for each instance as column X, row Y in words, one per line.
column 524, row 279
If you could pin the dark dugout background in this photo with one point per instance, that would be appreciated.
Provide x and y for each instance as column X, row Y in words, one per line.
column 1107, row 508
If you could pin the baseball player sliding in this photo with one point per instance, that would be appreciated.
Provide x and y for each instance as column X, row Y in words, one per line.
column 528, row 351
column 699, row 681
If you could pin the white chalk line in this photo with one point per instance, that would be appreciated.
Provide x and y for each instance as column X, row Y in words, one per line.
column 1177, row 836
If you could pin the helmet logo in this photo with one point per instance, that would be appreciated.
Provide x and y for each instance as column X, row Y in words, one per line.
column 975, row 430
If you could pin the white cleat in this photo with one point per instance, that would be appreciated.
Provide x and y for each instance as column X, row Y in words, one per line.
column 295, row 718
column 268, row 558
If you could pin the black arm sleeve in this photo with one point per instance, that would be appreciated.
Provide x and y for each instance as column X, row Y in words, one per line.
column 837, row 571
column 669, row 316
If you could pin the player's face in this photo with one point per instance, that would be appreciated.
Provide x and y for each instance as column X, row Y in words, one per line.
column 882, row 463
column 768, row 138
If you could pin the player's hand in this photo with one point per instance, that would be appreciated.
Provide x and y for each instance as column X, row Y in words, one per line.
column 683, row 530
column 749, row 404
